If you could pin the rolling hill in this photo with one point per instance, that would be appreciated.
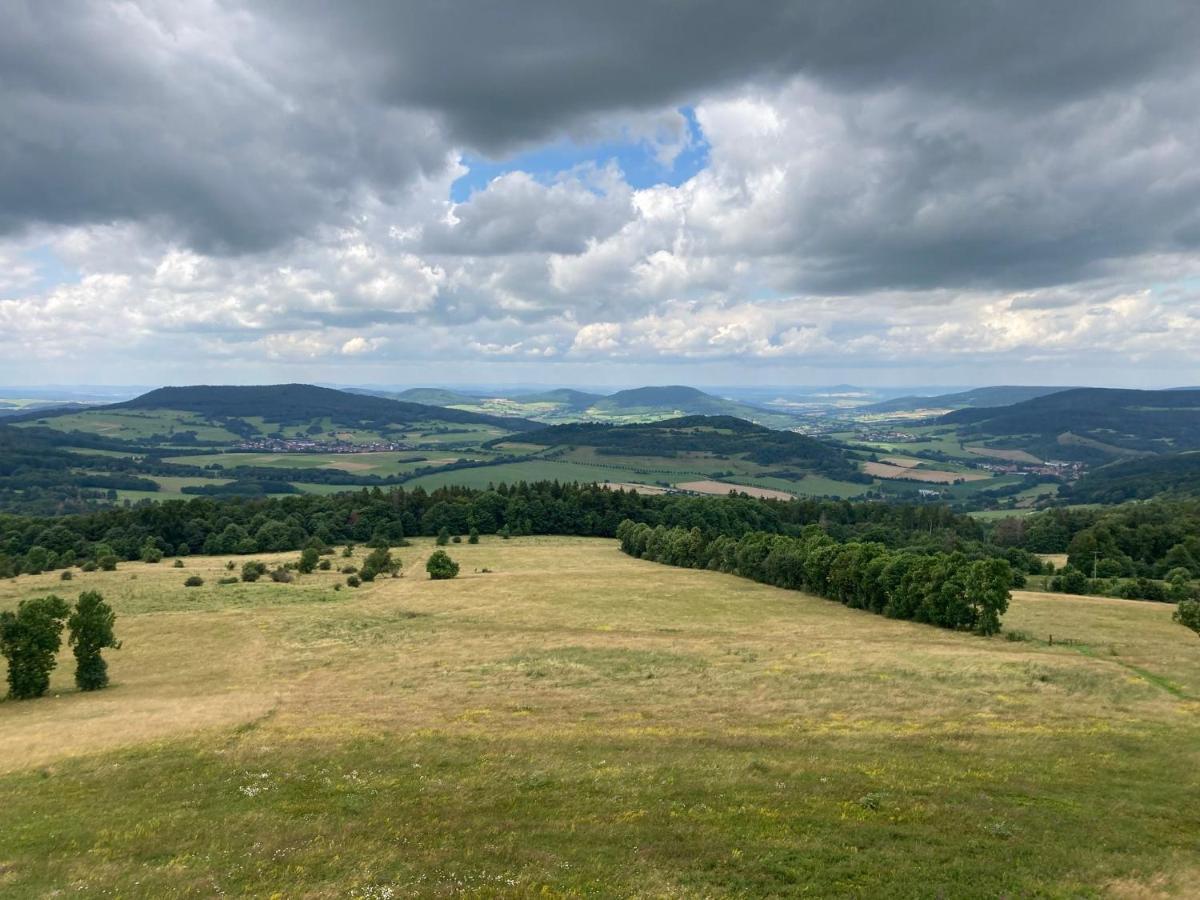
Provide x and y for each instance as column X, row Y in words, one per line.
column 977, row 398
column 564, row 405
column 1090, row 424
column 719, row 438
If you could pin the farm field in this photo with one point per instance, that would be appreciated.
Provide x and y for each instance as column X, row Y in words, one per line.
column 911, row 473
column 577, row 722
column 381, row 463
column 135, row 425
column 721, row 488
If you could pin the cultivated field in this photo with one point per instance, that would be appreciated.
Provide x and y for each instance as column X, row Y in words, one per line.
column 721, row 488
column 579, row 723
column 934, row 476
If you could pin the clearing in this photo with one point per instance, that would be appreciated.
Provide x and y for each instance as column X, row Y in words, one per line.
column 580, row 723
column 935, row 476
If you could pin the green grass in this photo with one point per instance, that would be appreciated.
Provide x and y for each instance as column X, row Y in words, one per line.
column 579, row 723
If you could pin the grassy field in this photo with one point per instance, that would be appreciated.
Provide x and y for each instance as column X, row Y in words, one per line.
column 380, row 463
column 579, row 723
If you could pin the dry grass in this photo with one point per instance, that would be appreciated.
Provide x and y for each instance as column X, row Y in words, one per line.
column 721, row 488
column 617, row 682
column 1009, row 455
column 934, row 476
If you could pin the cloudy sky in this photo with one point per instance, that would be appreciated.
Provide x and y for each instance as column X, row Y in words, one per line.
column 633, row 191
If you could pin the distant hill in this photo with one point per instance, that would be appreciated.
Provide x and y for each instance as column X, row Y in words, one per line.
column 579, row 400
column 679, row 400
column 1094, row 424
column 723, row 436
column 427, row 396
column 296, row 402
column 1176, row 475
column 977, row 398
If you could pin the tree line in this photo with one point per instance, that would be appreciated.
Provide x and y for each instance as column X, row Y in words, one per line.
column 944, row 589
column 236, row 525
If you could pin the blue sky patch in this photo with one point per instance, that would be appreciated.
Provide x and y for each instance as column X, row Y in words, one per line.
column 636, row 158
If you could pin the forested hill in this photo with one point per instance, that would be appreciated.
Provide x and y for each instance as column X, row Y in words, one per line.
column 304, row 402
column 721, row 436
column 1176, row 475
column 978, row 398
column 1090, row 423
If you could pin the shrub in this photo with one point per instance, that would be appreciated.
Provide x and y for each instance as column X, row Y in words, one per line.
column 151, row 553
column 91, row 630
column 353, row 581
column 1187, row 614
column 473, row 537
column 193, row 581
column 309, row 558
column 457, row 539
column 66, row 575
column 348, row 551
column 228, row 579
column 230, row 566
column 253, row 570
column 324, row 565
column 440, row 566
column 443, row 537
column 178, row 564
column 89, row 566
column 349, row 570
column 282, row 576
column 29, row 640
column 107, row 562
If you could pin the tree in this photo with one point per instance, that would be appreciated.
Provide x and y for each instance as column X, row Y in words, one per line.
column 1187, row 614
column 443, row 536
column 29, row 640
column 473, row 537
column 91, row 631
column 150, row 552
column 378, row 562
column 309, row 557
column 440, row 566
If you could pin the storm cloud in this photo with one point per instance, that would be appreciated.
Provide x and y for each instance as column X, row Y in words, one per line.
column 275, row 178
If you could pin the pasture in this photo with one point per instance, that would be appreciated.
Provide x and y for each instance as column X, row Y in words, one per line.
column 576, row 722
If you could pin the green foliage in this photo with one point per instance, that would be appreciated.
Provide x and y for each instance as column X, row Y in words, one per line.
column 440, row 566
column 91, row 631
column 281, row 575
column 29, row 640
column 1070, row 581
column 324, row 565
column 193, row 581
column 253, row 570
column 443, row 537
column 1187, row 614
column 354, row 581
column 379, row 562
column 945, row 589
column 310, row 557
column 66, row 575
column 151, row 553
column 178, row 564
column 473, row 537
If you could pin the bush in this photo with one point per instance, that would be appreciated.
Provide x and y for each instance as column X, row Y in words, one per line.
column 349, row 570
column 107, row 562
column 324, row 565
column 29, row 640
column 230, row 566
column 443, row 537
column 193, row 581
column 457, row 539
column 348, row 551
column 282, row 576
column 66, row 575
column 253, row 570
column 309, row 558
column 353, row 581
column 91, row 628
column 178, row 564
column 151, row 554
column 440, row 566
column 89, row 566
column 228, row 579
column 1187, row 614
column 473, row 537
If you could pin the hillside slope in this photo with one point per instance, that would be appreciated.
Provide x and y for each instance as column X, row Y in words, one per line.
column 1089, row 423
column 977, row 398
column 297, row 402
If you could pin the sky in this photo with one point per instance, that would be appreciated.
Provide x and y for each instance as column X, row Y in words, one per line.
column 618, row 193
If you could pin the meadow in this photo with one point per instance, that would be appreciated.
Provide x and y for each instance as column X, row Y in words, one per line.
column 575, row 722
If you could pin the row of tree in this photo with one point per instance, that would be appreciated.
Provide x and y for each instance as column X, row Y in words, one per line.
column 31, row 637
column 219, row 526
column 944, row 589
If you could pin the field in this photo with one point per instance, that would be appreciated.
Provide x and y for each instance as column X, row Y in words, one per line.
column 910, row 473
column 579, row 723
column 721, row 488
